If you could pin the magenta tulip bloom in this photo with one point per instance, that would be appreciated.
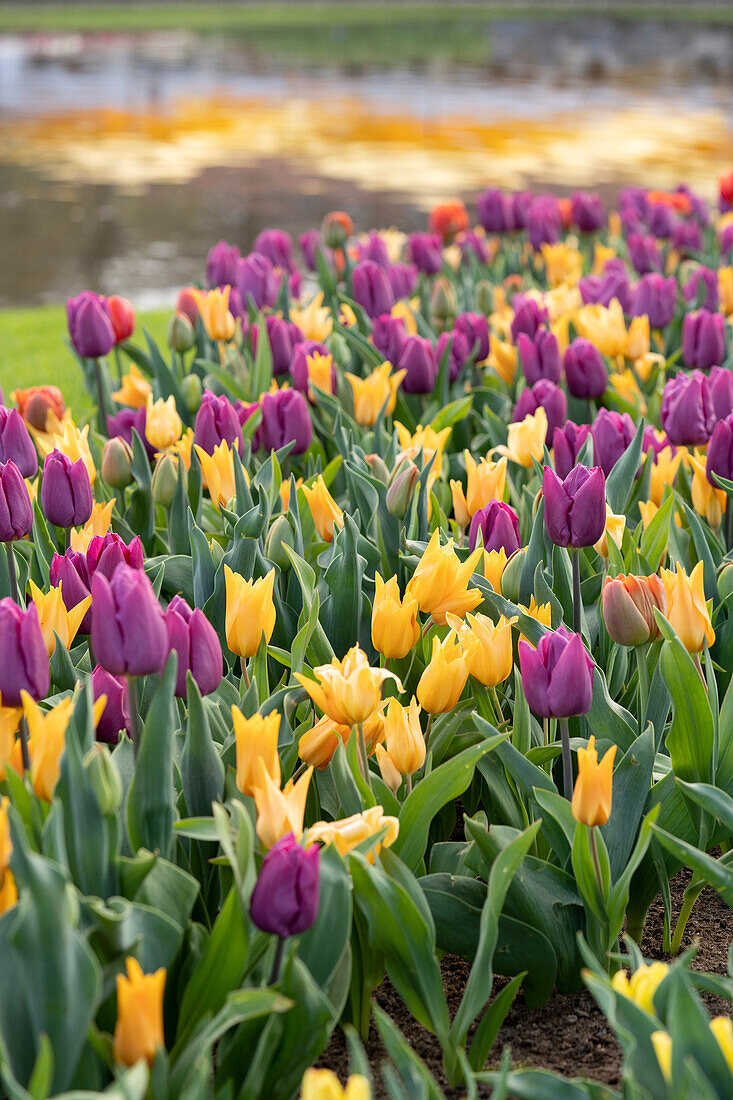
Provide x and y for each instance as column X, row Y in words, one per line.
column 475, row 328
column 129, row 636
column 567, row 443
column 198, row 647
column 540, row 357
column 90, row 325
column 66, row 492
column 285, row 418
column 299, row 364
column 277, row 246
column 702, row 286
column 528, row 317
column 217, row 420
column 585, row 370
column 656, row 297
column 543, row 394
column 425, row 252
column 587, row 211
column 373, row 248
column 70, row 570
column 16, row 444
column 495, row 211
column 719, row 458
column 687, row 238
column 602, row 289
column 372, row 288
column 643, row 253
column 24, row 665
column 417, row 358
column 612, row 433
column 284, row 336
column 544, row 222
column 116, row 713
column 388, row 336
column 106, row 552
column 557, row 676
column 687, row 412
column 458, row 354
column 703, row 339
column 402, row 279
column 221, row 265
column 16, row 512
column 575, row 509
column 721, row 391
column 285, row 898
column 258, row 280
column 499, row 527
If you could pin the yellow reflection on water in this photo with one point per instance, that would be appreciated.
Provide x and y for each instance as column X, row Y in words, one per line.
column 423, row 159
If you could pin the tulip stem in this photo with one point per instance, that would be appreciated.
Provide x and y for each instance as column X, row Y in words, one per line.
column 428, row 729
column 643, row 685
column 408, row 785
column 245, row 674
column 101, row 403
column 25, row 754
column 12, row 576
column 596, row 862
column 567, row 762
column 363, row 758
column 277, row 961
column 497, row 706
column 134, row 713
column 118, row 364
column 577, row 602
column 67, row 538
column 728, row 525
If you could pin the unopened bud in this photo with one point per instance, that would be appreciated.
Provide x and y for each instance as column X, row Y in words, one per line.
column 165, row 480
column 378, row 467
column 725, row 579
column 117, row 463
column 399, row 493
column 192, row 391
column 443, row 300
column 105, row 778
column 628, row 608
column 336, row 228
column 181, row 333
column 484, row 297
column 511, row 578
column 279, row 536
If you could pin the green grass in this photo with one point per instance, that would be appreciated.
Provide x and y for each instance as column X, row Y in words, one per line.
column 34, row 351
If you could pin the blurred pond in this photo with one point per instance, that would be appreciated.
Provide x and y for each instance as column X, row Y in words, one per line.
column 123, row 158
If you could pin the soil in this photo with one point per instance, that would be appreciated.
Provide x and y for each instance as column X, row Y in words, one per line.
column 570, row 1035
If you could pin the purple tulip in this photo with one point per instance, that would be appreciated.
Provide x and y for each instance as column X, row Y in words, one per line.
column 402, row 279
column 725, row 240
column 567, row 443
column 258, row 280
column 458, row 354
column 425, row 252
column 129, row 636
column 417, row 358
column 557, row 676
column 70, row 570
column 285, row 418
column 299, row 364
column 656, row 297
column 16, row 444
column 310, row 242
column 687, row 412
column 372, row 288
column 699, row 207
column 284, row 337
column 661, row 220
column 90, row 325
column 221, row 265
column 198, row 647
column 634, row 199
column 285, row 898
column 106, row 552
column 277, row 246
column 388, row 336
column 721, row 389
column 528, row 317
column 495, row 211
column 499, row 528
column 544, row 222
column 687, row 238
column 602, row 289
column 16, row 511
column 116, row 713
column 719, row 458
column 126, row 421
column 587, row 211
column 585, row 370
column 612, row 433
column 24, row 666
column 702, row 285
column 217, row 420
column 521, row 202
column 475, row 328
column 644, row 254
column 544, row 394
column 470, row 241
column 373, row 248
column 651, row 442
column 66, row 492
column 703, row 339
column 540, row 357
column 575, row 508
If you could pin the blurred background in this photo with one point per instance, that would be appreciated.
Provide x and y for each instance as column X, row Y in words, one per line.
column 132, row 137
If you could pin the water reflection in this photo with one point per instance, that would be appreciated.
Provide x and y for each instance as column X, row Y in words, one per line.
column 122, row 159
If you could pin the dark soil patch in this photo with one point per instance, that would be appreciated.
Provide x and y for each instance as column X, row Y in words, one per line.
column 570, row 1035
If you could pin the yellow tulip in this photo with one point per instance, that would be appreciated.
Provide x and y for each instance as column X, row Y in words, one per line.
column 662, row 1043
column 687, row 610
column 348, row 832
column 494, row 566
column 502, row 358
column 648, row 510
column 624, row 384
column 444, row 678
column 324, row 509
column 323, row 1084
column 215, row 316
column 98, row 524
column 348, row 691
column 593, row 790
column 256, row 739
column 560, row 326
column 492, row 659
column 182, row 449
column 319, row 373
column 54, row 617
column 47, row 737
column 725, row 289
column 706, row 499
column 440, row 581
column 601, row 255
column 388, row 769
column 641, row 986
column 346, row 316
column 425, row 439
column 371, row 393
column 563, row 264
column 317, row 745
column 139, row 1027
column 250, row 611
column 637, row 338
column 6, row 844
column 541, row 613
column 406, row 313
column 604, row 327
column 218, row 473
column 485, row 481
column 722, row 1029
column 9, row 722
column 664, row 471
column 460, row 507
column 615, row 526
column 404, row 741
column 526, row 439
column 395, row 629
column 74, row 443
column 279, row 812
column 135, row 389
column 648, row 362
column 315, row 320
column 8, row 892
column 163, row 425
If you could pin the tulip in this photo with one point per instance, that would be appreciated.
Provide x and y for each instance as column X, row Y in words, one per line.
column 495, row 562
column 492, row 659
column 495, row 211
column 587, row 211
column 628, row 608
column 441, row 684
column 591, row 804
column 54, row 617
column 567, row 443
column 258, row 280
column 707, row 500
column 557, row 676
column 106, row 552
column 719, row 457
column 643, row 253
column 502, row 359
column 349, row 832
column 218, row 471
column 181, row 335
column 325, row 511
column 221, row 265
column 283, row 337
column 47, row 736
column 310, row 243
column 426, row 440
column 284, row 901
column 66, row 494
column 485, row 482
column 528, row 316
column 40, row 406
column 279, row 812
column 642, row 985
column 458, row 352
column 90, row 325
column 702, row 289
column 348, row 691
column 24, row 666
column 162, row 424
column 215, row 313
column 612, row 433
column 317, row 745
column 16, row 444
column 600, row 290
column 402, row 279
column 656, row 297
column 285, row 419
column 313, row 367
column 375, row 392
column 122, row 316
column 217, row 420
column 256, row 739
column 575, row 509
column 404, row 751
column 722, row 1029
column 687, row 412
column 440, row 581
column 187, row 305
column 371, row 288
column 662, row 1044
column 139, row 1028
column 388, row 336
column 129, row 635
column 250, row 612
column 16, row 513
column 448, row 218
column 540, row 357
column 197, row 645
column 688, row 612
column 443, row 302
column 424, row 250
column 546, row 395
column 71, row 569
column 395, row 626
column 475, row 328
column 703, row 339
column 277, row 245
column 122, row 425
column 526, row 439
column 585, row 370
column 543, row 222
column 614, row 528
column 721, row 391
column 499, row 527
column 402, row 485
column 116, row 714
column 417, row 360
column 117, row 462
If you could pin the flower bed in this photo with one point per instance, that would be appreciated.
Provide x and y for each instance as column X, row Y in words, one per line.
column 381, row 618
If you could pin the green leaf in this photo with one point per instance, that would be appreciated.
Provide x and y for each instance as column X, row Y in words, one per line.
column 202, row 771
column 491, row 1021
column 620, row 481
column 714, row 871
column 691, row 739
column 655, row 537
column 151, row 798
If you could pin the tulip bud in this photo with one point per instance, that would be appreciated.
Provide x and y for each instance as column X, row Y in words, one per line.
column 105, row 778
column 192, row 391
column 116, row 714
column 512, row 575
column 399, row 493
column 165, row 480
column 725, row 579
column 443, row 300
column 378, row 468
column 129, row 635
column 117, row 463
column 16, row 444
column 591, row 804
column 575, row 509
column 16, row 512
column 24, row 666
column 484, row 297
column 336, row 228
column 66, row 492
column 181, row 333
column 197, row 645
column 279, row 536
column 628, row 608
column 285, row 898
column 557, row 676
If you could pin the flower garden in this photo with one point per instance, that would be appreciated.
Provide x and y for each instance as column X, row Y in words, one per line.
column 383, row 617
